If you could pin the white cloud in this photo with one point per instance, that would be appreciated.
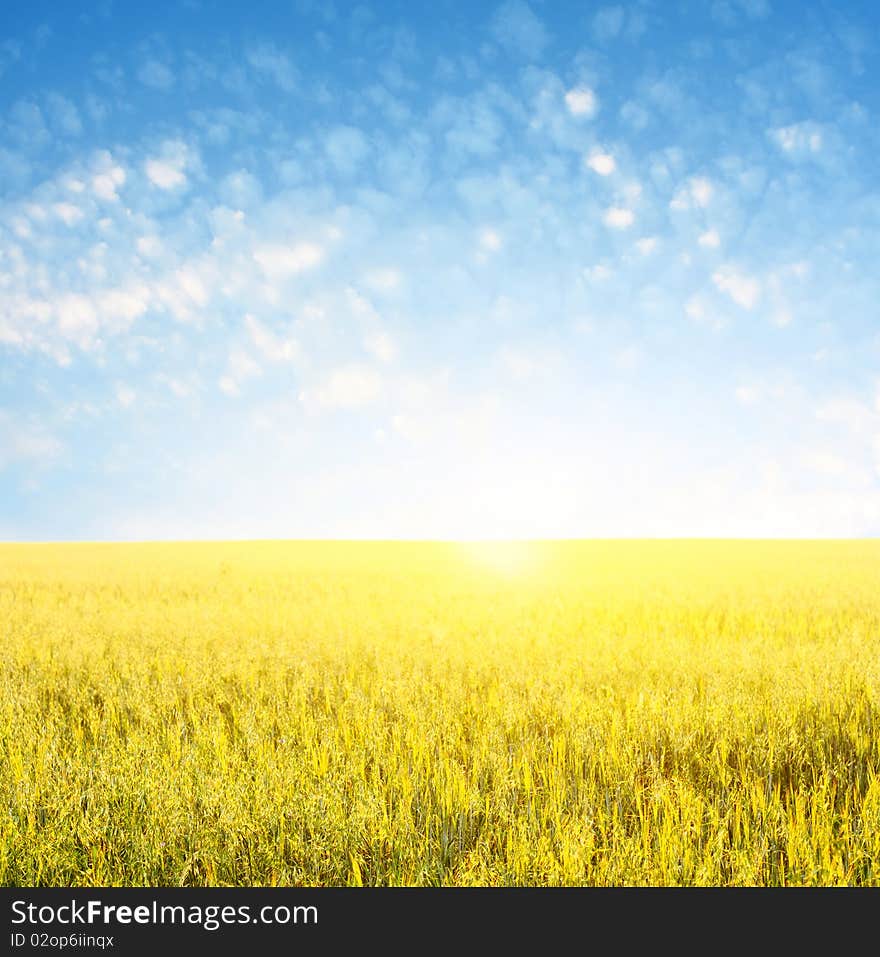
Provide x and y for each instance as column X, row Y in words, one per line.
column 646, row 245
column 125, row 395
column 782, row 317
column 278, row 262
column 618, row 218
column 268, row 61
column 433, row 416
column 747, row 394
column 68, row 213
column 106, row 183
column 77, row 318
column 121, row 306
column 518, row 30
column 150, row 246
column 240, row 367
column 826, row 463
column 349, row 387
column 582, row 101
column 189, row 280
column 695, row 308
column 273, row 347
column 360, row 306
column 406, row 427
column 241, row 188
column 710, row 239
column 519, row 364
column 525, row 362
column 21, row 227
column 36, row 212
column 167, row 170
column 184, row 293
column 156, row 75
column 490, row 240
column 21, row 317
column 383, row 280
column 742, row 289
column 598, row 273
column 853, row 414
column 24, row 441
column 701, row 191
column 381, row 346
column 164, row 174
column 696, row 192
column 799, row 139
column 178, row 387
column 601, row 163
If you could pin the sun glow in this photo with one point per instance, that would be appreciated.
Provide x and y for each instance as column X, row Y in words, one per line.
column 508, row 559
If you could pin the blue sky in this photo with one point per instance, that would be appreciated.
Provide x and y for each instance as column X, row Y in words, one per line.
column 541, row 269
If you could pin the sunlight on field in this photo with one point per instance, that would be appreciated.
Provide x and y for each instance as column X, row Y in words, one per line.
column 508, row 559
column 401, row 713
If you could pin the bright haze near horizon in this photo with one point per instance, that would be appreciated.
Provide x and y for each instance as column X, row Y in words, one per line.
column 446, row 270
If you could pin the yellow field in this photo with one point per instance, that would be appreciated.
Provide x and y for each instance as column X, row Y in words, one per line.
column 331, row 713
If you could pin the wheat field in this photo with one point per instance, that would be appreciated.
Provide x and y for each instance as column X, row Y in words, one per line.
column 548, row 713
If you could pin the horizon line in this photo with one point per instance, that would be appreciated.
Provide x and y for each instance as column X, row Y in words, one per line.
column 440, row 541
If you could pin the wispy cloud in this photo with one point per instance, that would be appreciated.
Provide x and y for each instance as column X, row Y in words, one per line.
column 157, row 75
column 518, row 29
column 381, row 244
